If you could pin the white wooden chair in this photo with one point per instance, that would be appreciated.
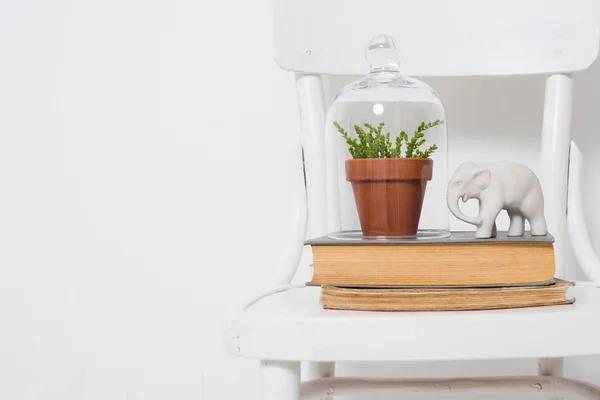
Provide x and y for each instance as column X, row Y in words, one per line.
column 438, row 38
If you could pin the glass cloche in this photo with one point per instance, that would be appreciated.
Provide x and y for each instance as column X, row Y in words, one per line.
column 386, row 150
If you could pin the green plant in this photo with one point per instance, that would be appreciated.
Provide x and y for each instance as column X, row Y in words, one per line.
column 376, row 144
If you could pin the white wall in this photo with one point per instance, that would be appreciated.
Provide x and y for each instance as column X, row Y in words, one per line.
column 144, row 153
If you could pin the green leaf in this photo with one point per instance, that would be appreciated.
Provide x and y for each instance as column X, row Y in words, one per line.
column 375, row 144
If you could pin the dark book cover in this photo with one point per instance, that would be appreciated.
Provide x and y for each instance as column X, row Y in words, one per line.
column 455, row 237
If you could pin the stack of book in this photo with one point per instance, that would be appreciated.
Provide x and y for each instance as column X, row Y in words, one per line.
column 454, row 273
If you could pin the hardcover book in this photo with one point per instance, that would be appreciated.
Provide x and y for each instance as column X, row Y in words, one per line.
column 445, row 299
column 456, row 261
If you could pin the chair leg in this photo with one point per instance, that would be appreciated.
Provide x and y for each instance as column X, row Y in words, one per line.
column 279, row 380
column 321, row 370
column 551, row 367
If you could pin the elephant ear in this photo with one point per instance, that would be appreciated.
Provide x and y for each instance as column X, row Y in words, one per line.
column 482, row 178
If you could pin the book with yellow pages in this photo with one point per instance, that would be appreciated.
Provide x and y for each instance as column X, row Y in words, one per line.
column 457, row 261
column 446, row 299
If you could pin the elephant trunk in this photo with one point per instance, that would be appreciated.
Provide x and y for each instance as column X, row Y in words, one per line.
column 452, row 198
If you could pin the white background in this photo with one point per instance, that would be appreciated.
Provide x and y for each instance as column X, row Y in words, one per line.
column 145, row 150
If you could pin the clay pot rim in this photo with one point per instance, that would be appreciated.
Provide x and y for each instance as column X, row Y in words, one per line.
column 389, row 169
column 390, row 159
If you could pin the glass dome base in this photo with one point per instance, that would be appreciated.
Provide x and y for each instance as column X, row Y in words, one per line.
column 422, row 234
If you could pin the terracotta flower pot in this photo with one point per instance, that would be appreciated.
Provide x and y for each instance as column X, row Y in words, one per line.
column 389, row 193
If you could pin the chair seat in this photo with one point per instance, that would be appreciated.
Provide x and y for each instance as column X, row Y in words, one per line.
column 291, row 325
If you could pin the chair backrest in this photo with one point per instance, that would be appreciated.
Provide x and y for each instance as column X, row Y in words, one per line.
column 438, row 37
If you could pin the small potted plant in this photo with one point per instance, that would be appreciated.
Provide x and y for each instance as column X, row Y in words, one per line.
column 388, row 187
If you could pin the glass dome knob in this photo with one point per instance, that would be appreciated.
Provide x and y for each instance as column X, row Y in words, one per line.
column 382, row 54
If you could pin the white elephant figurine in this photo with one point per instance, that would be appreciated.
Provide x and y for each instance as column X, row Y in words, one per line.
column 500, row 185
